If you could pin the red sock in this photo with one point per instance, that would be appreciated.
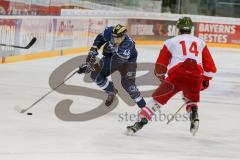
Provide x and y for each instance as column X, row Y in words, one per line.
column 146, row 113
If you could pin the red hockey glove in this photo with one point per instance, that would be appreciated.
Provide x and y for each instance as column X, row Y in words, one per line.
column 160, row 76
column 205, row 83
column 160, row 71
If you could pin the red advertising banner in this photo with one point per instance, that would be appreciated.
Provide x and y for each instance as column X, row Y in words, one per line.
column 29, row 7
column 219, row 33
column 4, row 5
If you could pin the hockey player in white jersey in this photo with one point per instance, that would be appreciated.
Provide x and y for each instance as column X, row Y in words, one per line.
column 189, row 67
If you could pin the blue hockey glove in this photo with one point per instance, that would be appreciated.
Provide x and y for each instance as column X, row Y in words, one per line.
column 91, row 58
column 86, row 68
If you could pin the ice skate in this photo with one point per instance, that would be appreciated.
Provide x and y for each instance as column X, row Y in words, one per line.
column 194, row 121
column 111, row 97
column 136, row 127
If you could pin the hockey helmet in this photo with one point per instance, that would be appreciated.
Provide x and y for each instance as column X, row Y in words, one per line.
column 185, row 24
column 119, row 31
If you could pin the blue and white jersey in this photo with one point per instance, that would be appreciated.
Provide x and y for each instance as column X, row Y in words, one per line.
column 104, row 37
column 126, row 50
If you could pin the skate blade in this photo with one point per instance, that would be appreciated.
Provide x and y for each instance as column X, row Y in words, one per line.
column 129, row 132
column 19, row 109
column 195, row 129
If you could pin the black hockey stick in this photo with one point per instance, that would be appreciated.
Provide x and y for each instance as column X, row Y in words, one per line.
column 174, row 115
column 22, row 47
column 20, row 110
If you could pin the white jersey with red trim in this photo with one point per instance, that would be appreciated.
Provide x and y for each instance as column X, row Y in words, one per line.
column 189, row 51
column 183, row 47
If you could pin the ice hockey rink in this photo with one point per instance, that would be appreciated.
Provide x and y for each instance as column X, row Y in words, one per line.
column 43, row 136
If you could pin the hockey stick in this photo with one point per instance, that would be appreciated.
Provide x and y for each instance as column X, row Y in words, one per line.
column 20, row 110
column 174, row 115
column 22, row 47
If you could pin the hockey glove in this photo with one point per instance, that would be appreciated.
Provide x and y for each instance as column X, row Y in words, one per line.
column 160, row 76
column 85, row 68
column 205, row 83
column 160, row 71
column 91, row 58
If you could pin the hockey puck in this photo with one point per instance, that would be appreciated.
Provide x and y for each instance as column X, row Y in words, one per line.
column 29, row 113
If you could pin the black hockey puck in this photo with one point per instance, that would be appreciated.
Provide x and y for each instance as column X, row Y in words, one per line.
column 29, row 113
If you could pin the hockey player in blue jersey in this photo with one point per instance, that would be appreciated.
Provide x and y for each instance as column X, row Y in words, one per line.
column 119, row 54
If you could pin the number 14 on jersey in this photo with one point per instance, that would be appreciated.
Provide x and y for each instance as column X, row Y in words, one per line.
column 192, row 48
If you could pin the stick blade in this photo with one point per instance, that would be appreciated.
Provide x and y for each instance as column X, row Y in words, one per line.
column 19, row 109
column 31, row 43
column 34, row 39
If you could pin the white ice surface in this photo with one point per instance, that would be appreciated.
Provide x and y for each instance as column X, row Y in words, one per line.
column 44, row 137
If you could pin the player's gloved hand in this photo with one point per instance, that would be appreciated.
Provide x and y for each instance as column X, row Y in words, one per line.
column 160, row 71
column 85, row 68
column 91, row 58
column 160, row 76
column 205, row 83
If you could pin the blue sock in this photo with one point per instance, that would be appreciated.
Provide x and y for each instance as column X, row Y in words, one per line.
column 141, row 103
